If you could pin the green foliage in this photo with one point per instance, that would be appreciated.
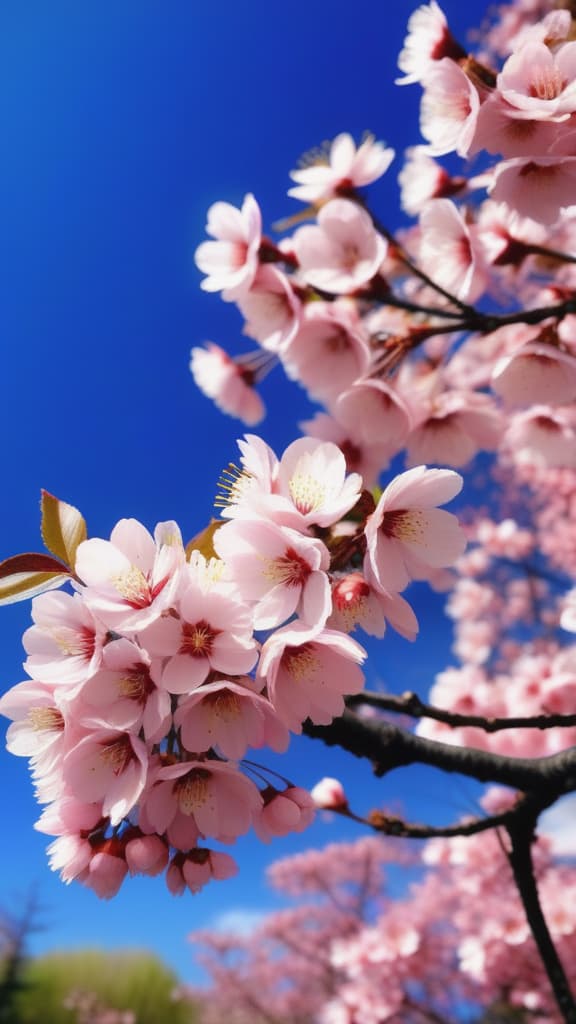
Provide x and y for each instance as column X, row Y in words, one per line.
column 135, row 981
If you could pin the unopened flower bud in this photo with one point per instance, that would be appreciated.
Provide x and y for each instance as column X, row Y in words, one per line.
column 329, row 795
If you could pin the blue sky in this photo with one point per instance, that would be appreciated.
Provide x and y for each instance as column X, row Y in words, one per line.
column 122, row 123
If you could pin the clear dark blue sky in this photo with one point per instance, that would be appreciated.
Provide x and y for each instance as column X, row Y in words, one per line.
column 121, row 123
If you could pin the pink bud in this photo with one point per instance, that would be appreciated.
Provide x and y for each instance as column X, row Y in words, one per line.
column 146, row 855
column 223, row 865
column 106, row 871
column 329, row 795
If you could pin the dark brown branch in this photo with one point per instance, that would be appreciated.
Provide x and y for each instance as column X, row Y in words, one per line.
column 542, row 250
column 416, row 307
column 474, row 320
column 410, row 704
column 388, row 747
column 521, row 832
column 492, row 321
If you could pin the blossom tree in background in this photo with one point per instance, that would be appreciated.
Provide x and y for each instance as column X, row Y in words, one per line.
column 152, row 682
column 456, row 946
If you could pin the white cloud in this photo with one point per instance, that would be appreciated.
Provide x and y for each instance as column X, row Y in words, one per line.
column 238, row 921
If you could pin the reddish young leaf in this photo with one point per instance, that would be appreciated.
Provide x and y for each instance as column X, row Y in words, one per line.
column 25, row 576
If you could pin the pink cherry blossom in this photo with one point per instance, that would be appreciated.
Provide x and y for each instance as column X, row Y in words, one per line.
column 538, row 84
column 243, row 489
column 277, row 570
column 504, row 238
column 371, row 408
column 108, row 766
column 345, row 167
column 70, row 855
column 308, row 486
column 422, row 179
column 272, row 309
column 449, row 252
column 536, row 372
column 38, row 723
column 499, row 130
column 67, row 816
column 330, row 333
column 456, row 428
column 343, row 251
column 65, row 643
column 231, row 717
column 539, row 188
column 148, row 679
column 124, row 694
column 361, row 457
column 213, row 633
column 132, row 578
column 542, row 436
column 308, row 671
column 229, row 382
column 215, row 795
column 449, row 110
column 407, row 534
column 231, row 262
column 568, row 617
column 106, row 869
column 313, row 476
column 428, row 40
column 145, row 855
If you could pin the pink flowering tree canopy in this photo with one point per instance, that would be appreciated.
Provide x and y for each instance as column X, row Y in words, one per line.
column 441, row 358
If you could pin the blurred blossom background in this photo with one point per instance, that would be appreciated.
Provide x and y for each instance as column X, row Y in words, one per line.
column 121, row 124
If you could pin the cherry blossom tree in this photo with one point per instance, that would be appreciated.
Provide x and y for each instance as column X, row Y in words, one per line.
column 432, row 350
column 455, row 946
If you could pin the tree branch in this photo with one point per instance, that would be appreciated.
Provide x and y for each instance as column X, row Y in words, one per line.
column 391, row 825
column 388, row 747
column 521, row 832
column 410, row 704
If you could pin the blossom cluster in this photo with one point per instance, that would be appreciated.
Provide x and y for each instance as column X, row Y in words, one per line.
column 372, row 326
column 149, row 685
column 386, row 333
